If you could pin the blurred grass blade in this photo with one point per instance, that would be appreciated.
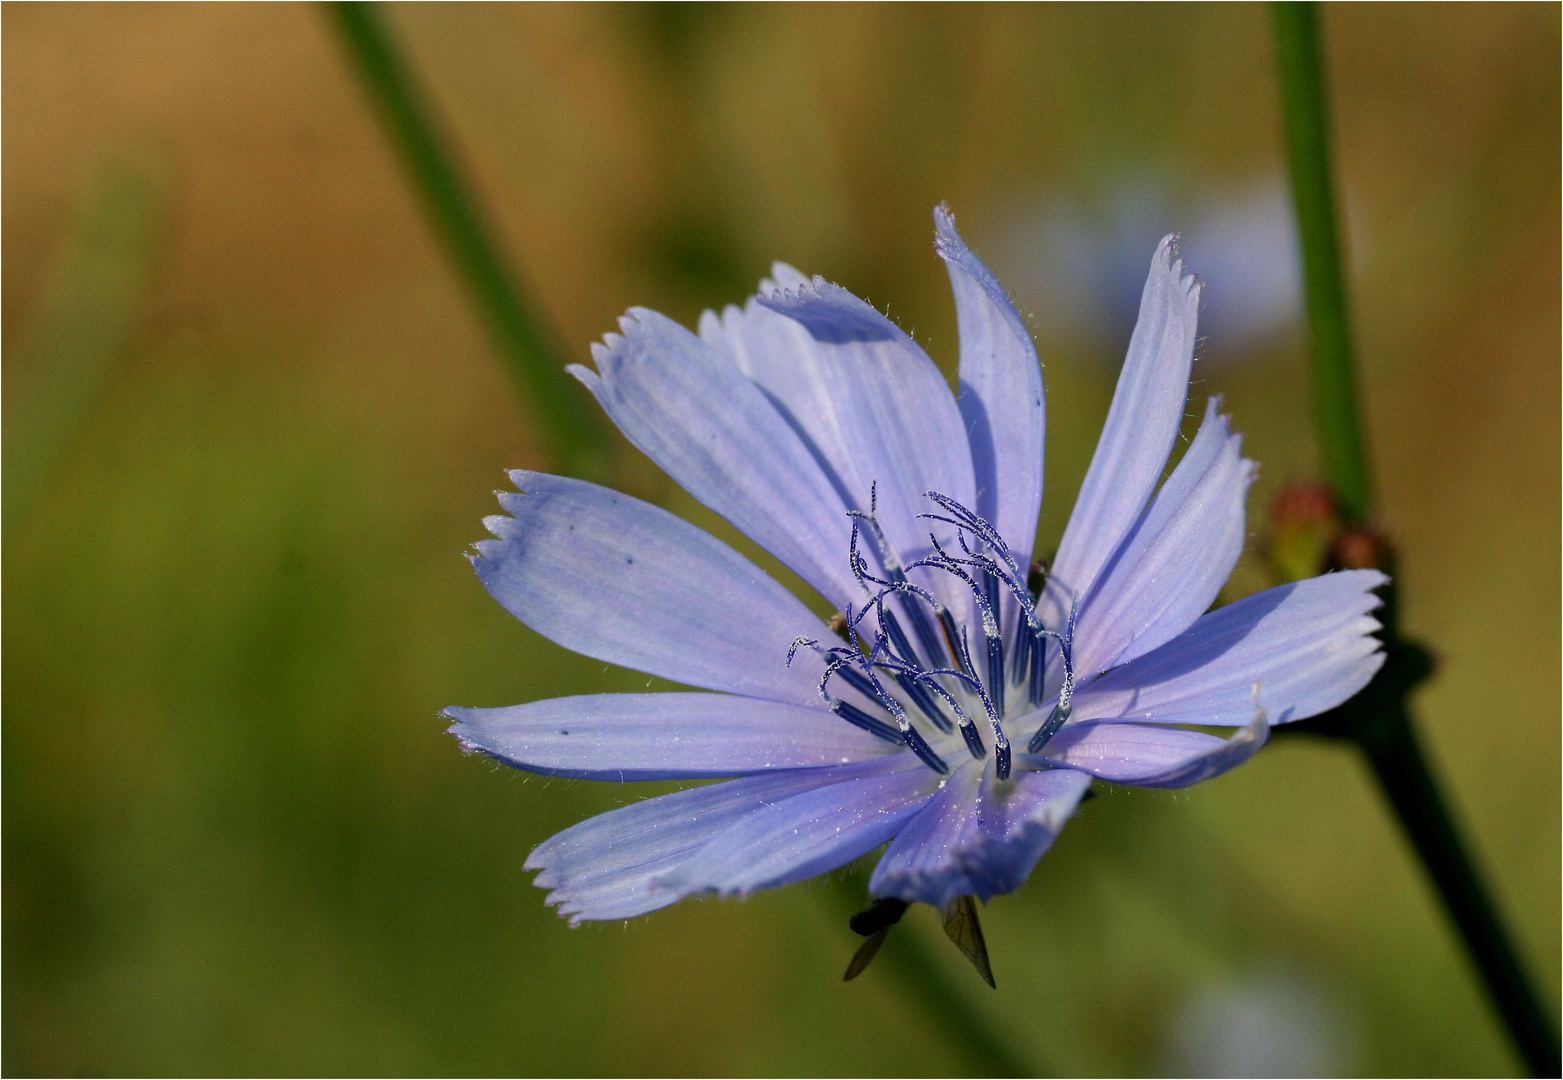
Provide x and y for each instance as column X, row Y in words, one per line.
column 1331, row 373
column 511, row 315
column 91, row 296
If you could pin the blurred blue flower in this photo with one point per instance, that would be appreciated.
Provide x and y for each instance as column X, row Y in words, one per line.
column 1272, row 1021
column 959, row 707
column 1079, row 268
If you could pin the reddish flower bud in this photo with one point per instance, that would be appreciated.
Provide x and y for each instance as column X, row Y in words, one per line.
column 1361, row 549
column 1304, row 522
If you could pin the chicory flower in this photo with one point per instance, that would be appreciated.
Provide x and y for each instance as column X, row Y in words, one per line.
column 961, row 703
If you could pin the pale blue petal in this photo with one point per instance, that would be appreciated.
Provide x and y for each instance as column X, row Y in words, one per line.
column 781, row 357
column 1000, row 394
column 608, row 866
column 661, row 736
column 1141, row 427
column 811, row 832
column 690, row 410
column 979, row 836
column 1309, row 644
column 1176, row 559
column 623, row 581
column 1152, row 755
column 897, row 422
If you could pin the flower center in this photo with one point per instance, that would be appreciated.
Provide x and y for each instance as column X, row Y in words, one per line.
column 938, row 676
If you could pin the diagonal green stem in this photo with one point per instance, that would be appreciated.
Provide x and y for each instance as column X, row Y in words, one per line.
column 512, row 317
column 1378, row 720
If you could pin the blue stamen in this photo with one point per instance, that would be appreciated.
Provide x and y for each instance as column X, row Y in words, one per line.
column 1000, row 740
column 990, row 587
column 902, row 648
column 880, row 655
column 973, row 741
column 1020, row 655
column 857, row 717
column 924, row 703
column 895, row 575
column 921, row 625
column 996, row 674
column 995, row 643
column 952, row 634
column 968, row 729
column 988, row 569
column 1004, row 567
column 856, row 679
column 1038, row 669
column 986, row 594
column 1060, row 714
column 920, row 747
column 1055, row 720
column 838, row 662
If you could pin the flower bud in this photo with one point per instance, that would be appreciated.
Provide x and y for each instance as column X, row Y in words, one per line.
column 1361, row 549
column 1305, row 522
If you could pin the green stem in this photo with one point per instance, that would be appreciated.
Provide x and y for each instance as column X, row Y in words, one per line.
column 1329, row 338
column 571, row 430
column 1396, row 754
column 1378, row 720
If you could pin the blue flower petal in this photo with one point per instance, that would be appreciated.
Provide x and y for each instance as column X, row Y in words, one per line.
column 609, row 866
column 898, row 424
column 979, row 836
column 1309, row 644
column 1141, row 427
column 620, row 580
column 1000, row 394
column 1177, row 558
column 780, row 357
column 811, row 832
column 782, row 416
column 689, row 409
column 661, row 736
column 1151, row 755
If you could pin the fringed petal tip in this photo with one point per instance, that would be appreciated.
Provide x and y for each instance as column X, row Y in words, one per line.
column 1169, row 264
column 954, row 251
column 831, row 314
column 784, row 276
column 461, row 730
column 639, row 329
column 946, row 239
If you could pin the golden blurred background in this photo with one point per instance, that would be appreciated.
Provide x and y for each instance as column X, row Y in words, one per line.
column 251, row 423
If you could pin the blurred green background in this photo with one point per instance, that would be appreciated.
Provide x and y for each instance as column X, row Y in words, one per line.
column 251, row 424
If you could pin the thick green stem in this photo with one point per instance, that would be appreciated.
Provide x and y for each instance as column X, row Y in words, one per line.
column 519, row 333
column 1396, row 754
column 1330, row 371
column 1378, row 720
